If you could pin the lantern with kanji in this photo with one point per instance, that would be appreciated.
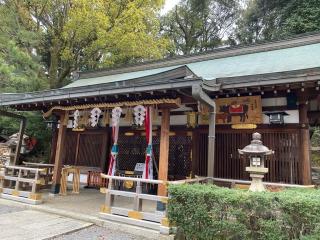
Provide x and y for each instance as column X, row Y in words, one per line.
column 257, row 154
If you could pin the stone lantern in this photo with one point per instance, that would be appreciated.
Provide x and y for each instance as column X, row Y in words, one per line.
column 257, row 153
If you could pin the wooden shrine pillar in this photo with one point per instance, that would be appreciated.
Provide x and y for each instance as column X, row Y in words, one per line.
column 195, row 153
column 22, row 129
column 54, row 136
column 304, row 140
column 164, row 150
column 60, row 151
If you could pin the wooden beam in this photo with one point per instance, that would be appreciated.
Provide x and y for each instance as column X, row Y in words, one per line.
column 60, row 151
column 164, row 150
column 304, row 139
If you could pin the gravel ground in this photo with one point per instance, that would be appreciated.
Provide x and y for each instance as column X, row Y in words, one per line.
column 98, row 233
column 9, row 209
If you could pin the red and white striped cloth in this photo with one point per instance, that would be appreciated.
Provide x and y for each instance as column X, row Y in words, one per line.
column 114, row 150
column 148, row 169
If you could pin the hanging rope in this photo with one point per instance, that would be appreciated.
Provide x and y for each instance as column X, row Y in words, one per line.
column 176, row 102
column 116, row 114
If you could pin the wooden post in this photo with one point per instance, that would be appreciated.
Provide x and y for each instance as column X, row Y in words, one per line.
column 304, row 140
column 18, row 147
column 54, row 135
column 164, row 150
column 60, row 150
column 195, row 153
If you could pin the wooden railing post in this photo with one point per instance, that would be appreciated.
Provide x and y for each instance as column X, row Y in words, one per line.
column 137, row 200
column 16, row 188
column 106, row 208
column 34, row 184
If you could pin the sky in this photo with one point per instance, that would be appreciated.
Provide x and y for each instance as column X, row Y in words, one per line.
column 169, row 5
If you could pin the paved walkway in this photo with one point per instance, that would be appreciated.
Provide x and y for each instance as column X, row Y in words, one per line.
column 99, row 233
column 89, row 202
column 17, row 223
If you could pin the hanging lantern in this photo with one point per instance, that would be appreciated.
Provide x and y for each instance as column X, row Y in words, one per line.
column 192, row 119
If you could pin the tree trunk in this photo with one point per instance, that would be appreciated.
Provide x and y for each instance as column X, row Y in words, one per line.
column 54, row 63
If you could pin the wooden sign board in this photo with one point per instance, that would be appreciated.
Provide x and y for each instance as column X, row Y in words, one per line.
column 236, row 110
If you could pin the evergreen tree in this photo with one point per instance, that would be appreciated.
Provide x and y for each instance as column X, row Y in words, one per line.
column 20, row 70
column 274, row 19
column 199, row 25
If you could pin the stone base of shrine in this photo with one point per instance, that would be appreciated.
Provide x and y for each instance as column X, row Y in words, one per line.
column 136, row 222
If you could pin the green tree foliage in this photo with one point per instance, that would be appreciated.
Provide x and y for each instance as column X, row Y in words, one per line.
column 199, row 25
column 85, row 35
column 19, row 66
column 273, row 19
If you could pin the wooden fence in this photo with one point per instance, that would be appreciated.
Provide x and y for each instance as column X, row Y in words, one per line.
column 284, row 166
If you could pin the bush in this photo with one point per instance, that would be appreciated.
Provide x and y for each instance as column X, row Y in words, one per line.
column 211, row 212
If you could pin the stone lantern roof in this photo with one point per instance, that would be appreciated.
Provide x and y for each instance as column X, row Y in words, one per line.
column 256, row 147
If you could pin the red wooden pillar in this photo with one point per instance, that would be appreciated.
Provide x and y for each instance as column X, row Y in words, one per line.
column 60, row 151
column 304, row 140
column 164, row 150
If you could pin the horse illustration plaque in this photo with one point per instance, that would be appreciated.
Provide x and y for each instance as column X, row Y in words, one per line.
column 237, row 110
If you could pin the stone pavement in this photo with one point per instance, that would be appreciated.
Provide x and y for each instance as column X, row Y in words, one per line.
column 19, row 224
column 99, row 233
column 19, row 221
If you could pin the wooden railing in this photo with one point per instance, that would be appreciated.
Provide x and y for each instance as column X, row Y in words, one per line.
column 136, row 214
column 47, row 174
column 191, row 180
column 22, row 184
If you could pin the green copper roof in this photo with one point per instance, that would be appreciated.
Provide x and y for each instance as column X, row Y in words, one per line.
column 281, row 60
column 118, row 77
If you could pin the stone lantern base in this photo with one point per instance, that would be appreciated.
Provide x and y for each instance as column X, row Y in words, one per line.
column 257, row 174
column 256, row 183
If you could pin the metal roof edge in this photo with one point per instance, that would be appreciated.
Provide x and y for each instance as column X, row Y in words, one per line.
column 296, row 41
column 288, row 77
column 178, row 75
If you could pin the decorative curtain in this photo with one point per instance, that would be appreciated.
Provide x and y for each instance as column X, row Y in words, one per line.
column 148, row 170
column 116, row 114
